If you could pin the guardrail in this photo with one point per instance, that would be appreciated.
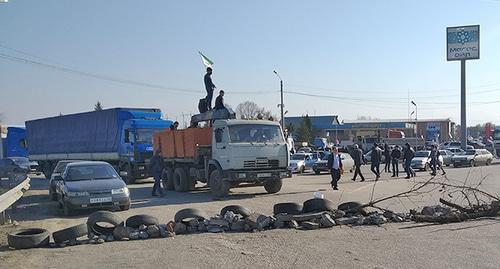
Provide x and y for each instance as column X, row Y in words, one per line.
column 11, row 196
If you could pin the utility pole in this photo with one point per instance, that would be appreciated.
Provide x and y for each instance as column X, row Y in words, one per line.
column 282, row 121
column 463, row 121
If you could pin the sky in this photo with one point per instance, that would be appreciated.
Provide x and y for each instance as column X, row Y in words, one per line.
column 348, row 58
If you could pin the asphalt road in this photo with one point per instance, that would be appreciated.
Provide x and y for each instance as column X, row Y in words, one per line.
column 474, row 244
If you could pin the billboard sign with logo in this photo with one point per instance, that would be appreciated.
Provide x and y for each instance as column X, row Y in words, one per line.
column 462, row 43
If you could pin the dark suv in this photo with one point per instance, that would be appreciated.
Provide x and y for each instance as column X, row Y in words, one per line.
column 9, row 167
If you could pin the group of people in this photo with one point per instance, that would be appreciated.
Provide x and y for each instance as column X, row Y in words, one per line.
column 392, row 158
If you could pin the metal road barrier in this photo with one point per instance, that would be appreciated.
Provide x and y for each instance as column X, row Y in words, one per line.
column 8, row 198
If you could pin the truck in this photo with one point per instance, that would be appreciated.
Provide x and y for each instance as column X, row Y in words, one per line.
column 496, row 141
column 122, row 137
column 224, row 154
column 13, row 142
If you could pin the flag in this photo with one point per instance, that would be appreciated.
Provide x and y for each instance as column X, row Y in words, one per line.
column 207, row 62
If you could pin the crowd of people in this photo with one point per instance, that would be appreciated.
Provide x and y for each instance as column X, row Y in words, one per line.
column 392, row 158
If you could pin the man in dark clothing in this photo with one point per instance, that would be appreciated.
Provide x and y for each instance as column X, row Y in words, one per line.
column 209, row 86
column 376, row 157
column 359, row 159
column 395, row 156
column 174, row 126
column 219, row 101
column 335, row 166
column 387, row 155
column 409, row 153
column 156, row 168
column 434, row 159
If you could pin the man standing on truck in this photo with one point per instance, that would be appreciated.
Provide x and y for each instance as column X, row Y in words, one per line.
column 156, row 168
column 359, row 159
column 219, row 101
column 209, row 86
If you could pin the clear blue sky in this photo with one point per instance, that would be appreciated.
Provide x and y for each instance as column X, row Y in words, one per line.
column 371, row 52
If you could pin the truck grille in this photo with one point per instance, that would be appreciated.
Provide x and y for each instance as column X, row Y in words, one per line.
column 261, row 163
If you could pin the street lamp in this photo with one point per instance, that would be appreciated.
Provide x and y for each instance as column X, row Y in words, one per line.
column 416, row 124
column 282, row 121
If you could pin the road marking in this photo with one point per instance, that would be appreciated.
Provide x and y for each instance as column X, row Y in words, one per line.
column 370, row 185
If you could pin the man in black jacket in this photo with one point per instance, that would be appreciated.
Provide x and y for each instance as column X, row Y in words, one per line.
column 376, row 157
column 359, row 159
column 409, row 153
column 156, row 168
column 387, row 155
column 335, row 166
column 395, row 156
column 219, row 101
column 209, row 86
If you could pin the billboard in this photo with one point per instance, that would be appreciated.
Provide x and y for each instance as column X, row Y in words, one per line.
column 462, row 43
column 433, row 132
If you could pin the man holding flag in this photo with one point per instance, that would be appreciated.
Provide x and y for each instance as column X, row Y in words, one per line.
column 209, row 85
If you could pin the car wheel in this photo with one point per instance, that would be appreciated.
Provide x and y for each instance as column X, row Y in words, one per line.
column 236, row 209
column 317, row 205
column 187, row 214
column 317, row 172
column 273, row 186
column 28, row 238
column 287, row 208
column 472, row 163
column 70, row 233
column 138, row 220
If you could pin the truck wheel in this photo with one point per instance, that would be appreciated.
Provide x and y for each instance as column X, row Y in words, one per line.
column 168, row 179
column 218, row 186
column 180, row 180
column 273, row 186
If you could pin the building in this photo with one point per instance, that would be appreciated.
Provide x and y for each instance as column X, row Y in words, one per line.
column 330, row 127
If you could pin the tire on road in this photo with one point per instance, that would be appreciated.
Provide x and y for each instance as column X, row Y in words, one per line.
column 236, row 209
column 189, row 213
column 138, row 220
column 316, row 205
column 181, row 180
column 168, row 179
column 28, row 238
column 273, row 186
column 352, row 207
column 287, row 208
column 94, row 220
column 70, row 233
column 218, row 186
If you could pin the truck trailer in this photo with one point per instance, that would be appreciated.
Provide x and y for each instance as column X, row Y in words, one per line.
column 225, row 154
column 122, row 137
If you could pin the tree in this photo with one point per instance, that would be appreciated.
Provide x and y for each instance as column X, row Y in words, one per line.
column 304, row 132
column 250, row 110
column 98, row 106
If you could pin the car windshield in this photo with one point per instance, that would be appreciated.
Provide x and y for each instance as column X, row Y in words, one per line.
column 61, row 166
column 470, row 152
column 20, row 160
column 90, row 172
column 422, row 154
column 144, row 136
column 255, row 133
column 298, row 157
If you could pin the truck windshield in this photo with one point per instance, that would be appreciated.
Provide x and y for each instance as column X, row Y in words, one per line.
column 255, row 133
column 496, row 135
column 144, row 136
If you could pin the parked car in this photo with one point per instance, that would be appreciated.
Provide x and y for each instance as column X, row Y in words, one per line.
column 58, row 170
column 476, row 144
column 322, row 165
column 422, row 160
column 447, row 155
column 315, row 156
column 298, row 162
column 456, row 151
column 9, row 167
column 368, row 157
column 91, row 184
column 451, row 144
column 473, row 157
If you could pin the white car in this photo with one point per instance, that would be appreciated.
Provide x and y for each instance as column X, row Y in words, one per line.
column 422, row 160
column 298, row 162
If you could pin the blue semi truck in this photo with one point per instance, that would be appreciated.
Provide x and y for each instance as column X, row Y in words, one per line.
column 122, row 137
column 14, row 143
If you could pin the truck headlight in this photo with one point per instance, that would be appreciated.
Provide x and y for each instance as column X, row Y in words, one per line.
column 123, row 190
column 77, row 193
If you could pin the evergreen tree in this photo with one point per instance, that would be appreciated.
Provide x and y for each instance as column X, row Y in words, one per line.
column 98, row 106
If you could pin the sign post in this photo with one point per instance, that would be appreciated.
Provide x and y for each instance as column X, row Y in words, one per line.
column 462, row 43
